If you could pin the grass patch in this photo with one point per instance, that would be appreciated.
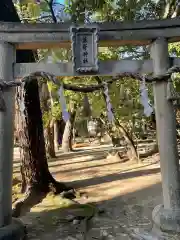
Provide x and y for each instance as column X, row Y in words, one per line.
column 52, row 215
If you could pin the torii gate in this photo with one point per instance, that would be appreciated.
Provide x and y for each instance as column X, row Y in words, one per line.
column 85, row 41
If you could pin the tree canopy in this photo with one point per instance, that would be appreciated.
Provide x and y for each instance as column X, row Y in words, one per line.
column 124, row 95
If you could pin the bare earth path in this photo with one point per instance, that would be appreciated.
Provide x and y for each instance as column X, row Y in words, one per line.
column 128, row 192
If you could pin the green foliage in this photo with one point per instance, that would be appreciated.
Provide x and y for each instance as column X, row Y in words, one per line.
column 125, row 93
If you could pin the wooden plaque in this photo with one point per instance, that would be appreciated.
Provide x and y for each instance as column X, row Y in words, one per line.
column 85, row 49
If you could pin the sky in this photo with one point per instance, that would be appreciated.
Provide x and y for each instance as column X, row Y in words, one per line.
column 59, row 1
column 59, row 9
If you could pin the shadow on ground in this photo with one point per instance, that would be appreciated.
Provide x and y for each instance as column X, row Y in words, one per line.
column 113, row 177
column 59, row 162
column 123, row 212
column 127, row 191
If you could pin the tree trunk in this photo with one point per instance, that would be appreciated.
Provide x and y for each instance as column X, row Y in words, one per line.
column 155, row 148
column 56, row 135
column 132, row 152
column 34, row 161
column 50, row 147
column 68, row 131
column 61, row 127
column 49, row 130
column 37, row 180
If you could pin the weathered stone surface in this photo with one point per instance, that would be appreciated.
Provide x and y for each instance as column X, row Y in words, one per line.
column 166, row 220
column 154, row 234
column 15, row 231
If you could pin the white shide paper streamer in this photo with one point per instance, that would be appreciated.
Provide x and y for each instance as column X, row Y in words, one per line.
column 144, row 99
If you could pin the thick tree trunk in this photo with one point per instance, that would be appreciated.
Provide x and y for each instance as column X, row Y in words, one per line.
column 37, row 180
column 34, row 161
column 68, row 131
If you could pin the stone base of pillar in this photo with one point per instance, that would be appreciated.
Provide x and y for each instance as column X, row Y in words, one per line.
column 166, row 226
column 166, row 220
column 14, row 231
column 154, row 234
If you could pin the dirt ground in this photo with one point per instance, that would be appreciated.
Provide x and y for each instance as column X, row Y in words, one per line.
column 127, row 192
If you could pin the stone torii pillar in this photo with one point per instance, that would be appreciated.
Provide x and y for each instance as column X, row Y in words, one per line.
column 9, row 228
column 167, row 216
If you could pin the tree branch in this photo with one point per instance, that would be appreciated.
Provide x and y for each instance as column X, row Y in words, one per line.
column 176, row 12
column 50, row 5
